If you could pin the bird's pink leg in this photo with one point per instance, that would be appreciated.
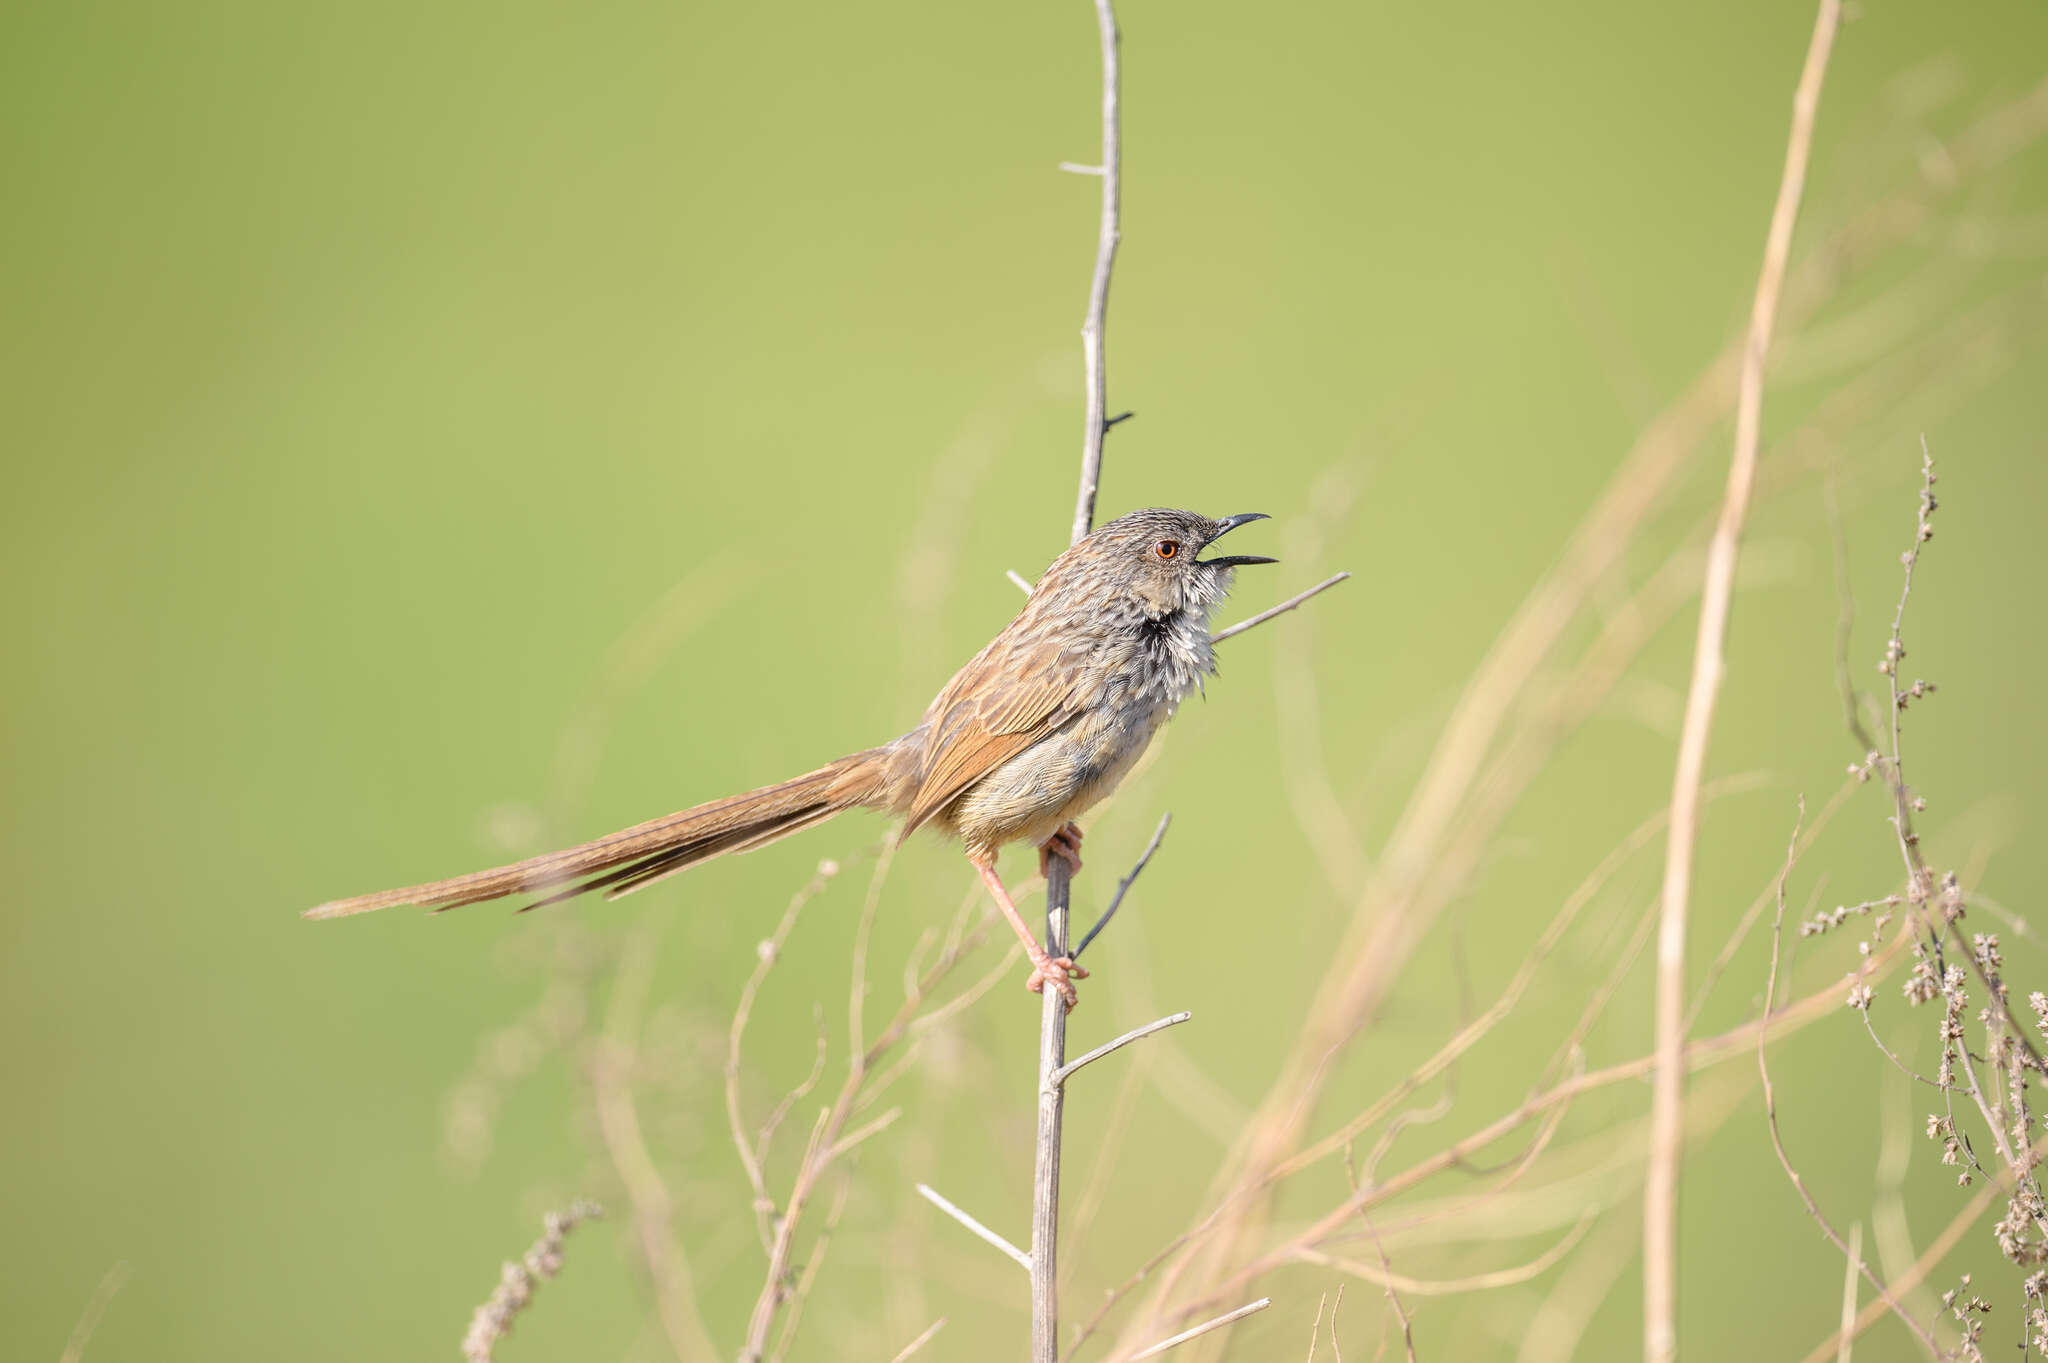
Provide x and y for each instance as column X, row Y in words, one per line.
column 1061, row 971
column 1065, row 843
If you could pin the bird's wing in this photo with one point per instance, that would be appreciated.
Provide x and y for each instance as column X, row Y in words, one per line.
column 1016, row 692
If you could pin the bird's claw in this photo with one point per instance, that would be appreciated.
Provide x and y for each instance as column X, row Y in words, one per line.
column 1065, row 843
column 1060, row 972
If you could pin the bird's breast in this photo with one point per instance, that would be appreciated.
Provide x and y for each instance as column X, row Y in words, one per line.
column 1166, row 656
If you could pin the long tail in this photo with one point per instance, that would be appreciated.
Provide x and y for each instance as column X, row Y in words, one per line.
column 640, row 855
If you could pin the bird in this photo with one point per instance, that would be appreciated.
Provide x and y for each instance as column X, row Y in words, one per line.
column 1037, row 727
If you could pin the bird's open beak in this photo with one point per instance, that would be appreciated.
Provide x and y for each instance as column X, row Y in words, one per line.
column 1225, row 526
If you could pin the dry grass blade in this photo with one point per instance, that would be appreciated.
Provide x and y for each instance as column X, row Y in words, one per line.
column 95, row 1307
column 1849, row 1264
column 1667, row 1116
column 1380, row 1276
column 920, row 1341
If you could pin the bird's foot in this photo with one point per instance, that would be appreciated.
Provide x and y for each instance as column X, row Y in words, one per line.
column 1065, row 843
column 1058, row 971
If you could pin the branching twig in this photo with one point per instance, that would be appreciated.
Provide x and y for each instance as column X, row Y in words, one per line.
column 830, row 1141
column 1937, row 1250
column 1777, row 1141
column 1667, row 1116
column 1545, row 1105
column 753, row 1153
column 1052, row 1034
column 1052, row 1068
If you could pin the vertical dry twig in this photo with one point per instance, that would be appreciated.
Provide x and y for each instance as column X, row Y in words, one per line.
column 1093, row 329
column 1052, row 1097
column 1660, row 1192
column 1052, row 1031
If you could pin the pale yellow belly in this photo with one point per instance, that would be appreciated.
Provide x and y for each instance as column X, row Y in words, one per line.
column 1055, row 780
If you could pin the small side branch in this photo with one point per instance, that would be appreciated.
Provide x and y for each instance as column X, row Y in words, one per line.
column 1064, row 1072
column 938, row 1200
column 1249, row 1308
column 1123, row 886
column 1285, row 606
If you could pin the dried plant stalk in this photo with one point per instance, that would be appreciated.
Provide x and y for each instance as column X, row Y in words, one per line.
column 1667, row 1116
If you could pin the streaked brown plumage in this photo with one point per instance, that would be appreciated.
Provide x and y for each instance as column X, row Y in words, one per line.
column 1036, row 728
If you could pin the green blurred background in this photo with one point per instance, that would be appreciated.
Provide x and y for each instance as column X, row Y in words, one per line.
column 436, row 432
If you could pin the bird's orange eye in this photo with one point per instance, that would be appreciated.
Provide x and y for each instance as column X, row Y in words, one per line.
column 1166, row 548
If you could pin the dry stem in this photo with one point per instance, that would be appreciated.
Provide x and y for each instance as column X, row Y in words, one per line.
column 1092, row 330
column 1667, row 1116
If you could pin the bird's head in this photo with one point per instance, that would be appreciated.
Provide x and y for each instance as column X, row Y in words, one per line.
column 1156, row 555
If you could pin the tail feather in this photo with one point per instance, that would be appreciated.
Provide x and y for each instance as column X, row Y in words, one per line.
column 638, row 856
